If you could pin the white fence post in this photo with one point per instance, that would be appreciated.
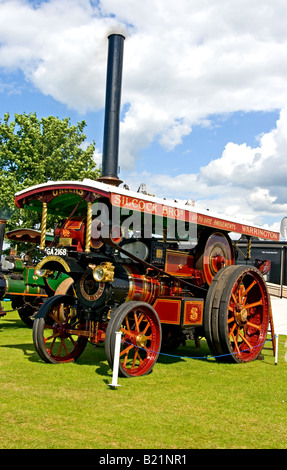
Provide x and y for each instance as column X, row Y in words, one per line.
column 276, row 350
column 116, row 360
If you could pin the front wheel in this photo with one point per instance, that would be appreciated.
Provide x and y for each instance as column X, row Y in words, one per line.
column 141, row 338
column 58, row 332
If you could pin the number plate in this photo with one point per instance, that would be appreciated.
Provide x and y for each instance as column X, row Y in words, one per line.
column 56, row 251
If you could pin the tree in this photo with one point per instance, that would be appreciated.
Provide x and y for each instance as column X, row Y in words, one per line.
column 34, row 151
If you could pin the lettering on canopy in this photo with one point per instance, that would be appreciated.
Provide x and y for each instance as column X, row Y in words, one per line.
column 162, row 210
column 48, row 196
column 57, row 192
column 154, row 208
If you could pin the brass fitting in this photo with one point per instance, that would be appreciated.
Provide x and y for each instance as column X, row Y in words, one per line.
column 104, row 272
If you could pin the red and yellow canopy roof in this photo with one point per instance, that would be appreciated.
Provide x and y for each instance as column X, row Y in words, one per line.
column 63, row 196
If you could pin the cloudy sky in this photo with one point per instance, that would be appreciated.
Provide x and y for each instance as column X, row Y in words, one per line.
column 204, row 99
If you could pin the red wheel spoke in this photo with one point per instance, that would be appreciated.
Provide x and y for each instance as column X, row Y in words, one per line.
column 235, row 343
column 53, row 343
column 65, row 345
column 258, row 327
column 48, row 338
column 254, row 304
column 146, row 328
column 60, row 349
column 140, row 319
column 241, row 293
column 149, row 337
column 135, row 357
column 126, row 355
column 129, row 332
column 254, row 283
column 232, row 329
column 72, row 340
column 245, row 340
column 55, row 318
column 126, row 350
column 235, row 292
column 136, row 321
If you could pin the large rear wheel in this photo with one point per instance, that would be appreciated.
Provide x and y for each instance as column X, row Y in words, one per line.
column 237, row 314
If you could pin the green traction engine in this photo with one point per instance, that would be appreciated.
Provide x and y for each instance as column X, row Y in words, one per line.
column 18, row 280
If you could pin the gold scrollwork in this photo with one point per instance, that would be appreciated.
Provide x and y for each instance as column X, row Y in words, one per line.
column 58, row 259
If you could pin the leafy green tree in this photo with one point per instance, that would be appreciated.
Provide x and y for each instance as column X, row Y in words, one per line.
column 34, row 151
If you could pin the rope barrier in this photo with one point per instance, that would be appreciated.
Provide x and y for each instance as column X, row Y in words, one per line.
column 119, row 341
column 203, row 357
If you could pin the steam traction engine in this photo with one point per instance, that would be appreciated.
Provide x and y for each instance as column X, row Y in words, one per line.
column 155, row 270
column 156, row 289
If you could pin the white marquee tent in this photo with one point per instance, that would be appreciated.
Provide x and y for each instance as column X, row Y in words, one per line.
column 279, row 311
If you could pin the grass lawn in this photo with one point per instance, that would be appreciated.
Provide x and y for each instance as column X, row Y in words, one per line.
column 185, row 403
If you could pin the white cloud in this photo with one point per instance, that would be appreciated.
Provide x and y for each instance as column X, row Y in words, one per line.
column 61, row 47
column 183, row 62
column 245, row 182
column 247, row 167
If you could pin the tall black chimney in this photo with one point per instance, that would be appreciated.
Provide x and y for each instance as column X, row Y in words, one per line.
column 112, row 110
